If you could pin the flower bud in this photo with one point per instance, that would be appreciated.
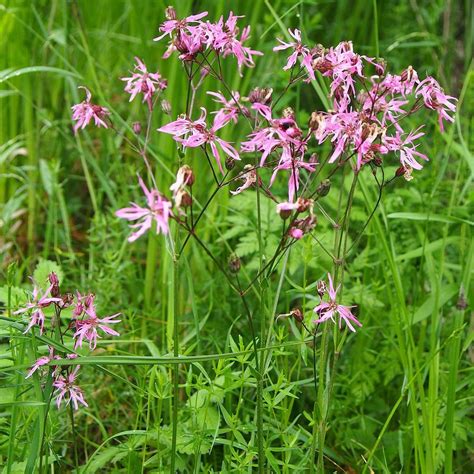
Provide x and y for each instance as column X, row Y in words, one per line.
column 400, row 171
column 166, row 107
column 378, row 161
column 322, row 65
column 54, row 281
column 187, row 175
column 205, row 71
column 284, row 213
column 183, row 199
column 297, row 315
column 67, row 300
column 323, row 188
column 404, row 171
column 317, row 50
column 234, row 264
column 137, row 128
column 261, row 95
column 288, row 112
column 245, row 111
column 170, row 13
column 229, row 163
column 304, row 204
column 408, row 74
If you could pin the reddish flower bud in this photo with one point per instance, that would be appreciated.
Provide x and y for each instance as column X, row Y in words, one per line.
column 170, row 13
column 323, row 188
column 297, row 315
column 54, row 281
column 67, row 300
column 229, row 163
column 137, row 128
column 261, row 95
column 234, row 264
column 321, row 288
column 166, row 107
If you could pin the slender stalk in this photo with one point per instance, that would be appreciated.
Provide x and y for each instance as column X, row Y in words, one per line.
column 174, row 310
column 74, row 436
column 259, row 378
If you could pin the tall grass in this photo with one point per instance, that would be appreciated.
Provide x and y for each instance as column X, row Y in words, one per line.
column 183, row 389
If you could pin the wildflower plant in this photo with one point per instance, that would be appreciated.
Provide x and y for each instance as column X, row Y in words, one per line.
column 291, row 165
column 71, row 318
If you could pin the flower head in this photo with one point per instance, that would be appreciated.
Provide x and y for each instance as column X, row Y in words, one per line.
column 87, row 328
column 435, row 99
column 298, row 50
column 230, row 108
column 226, row 41
column 36, row 306
column 158, row 211
column 44, row 360
column 328, row 310
column 143, row 82
column 84, row 112
column 407, row 150
column 192, row 134
column 173, row 25
column 67, row 390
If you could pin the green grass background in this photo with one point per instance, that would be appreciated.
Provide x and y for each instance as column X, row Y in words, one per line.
column 403, row 389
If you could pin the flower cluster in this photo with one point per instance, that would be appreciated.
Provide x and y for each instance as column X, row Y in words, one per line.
column 191, row 36
column 326, row 310
column 143, row 82
column 158, row 211
column 84, row 112
column 362, row 126
column 192, row 134
column 83, row 325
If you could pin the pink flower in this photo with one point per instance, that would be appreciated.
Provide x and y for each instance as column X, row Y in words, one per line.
column 231, row 108
column 87, row 328
column 345, row 128
column 400, row 84
column 144, row 82
column 377, row 101
column 435, row 99
column 45, row 360
column 341, row 64
column 225, row 40
column 191, row 36
column 293, row 165
column 36, row 306
column 298, row 50
column 406, row 148
column 84, row 112
column 327, row 310
column 67, row 389
column 282, row 133
column 200, row 135
column 184, row 126
column 172, row 25
column 158, row 211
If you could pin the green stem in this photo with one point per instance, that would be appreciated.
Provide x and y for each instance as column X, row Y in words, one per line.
column 325, row 386
column 174, row 312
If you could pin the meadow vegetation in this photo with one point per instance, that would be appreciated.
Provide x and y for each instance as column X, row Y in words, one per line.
column 207, row 356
